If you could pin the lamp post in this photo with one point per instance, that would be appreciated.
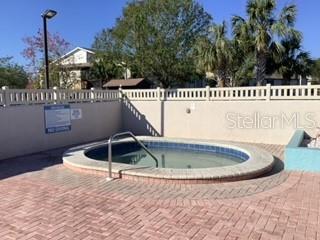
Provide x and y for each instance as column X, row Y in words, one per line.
column 48, row 14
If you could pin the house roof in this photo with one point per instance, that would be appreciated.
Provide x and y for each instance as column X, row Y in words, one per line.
column 73, row 51
column 123, row 82
column 91, row 50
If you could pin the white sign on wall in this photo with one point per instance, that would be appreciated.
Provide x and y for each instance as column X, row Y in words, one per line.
column 76, row 113
column 57, row 118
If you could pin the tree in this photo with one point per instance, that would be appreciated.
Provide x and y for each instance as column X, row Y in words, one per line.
column 215, row 53
column 12, row 74
column 34, row 53
column 242, row 66
column 293, row 60
column 109, row 59
column 262, row 28
column 106, row 67
column 156, row 38
column 315, row 71
column 231, row 62
column 106, row 41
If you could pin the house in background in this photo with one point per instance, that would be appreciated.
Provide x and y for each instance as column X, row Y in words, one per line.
column 76, row 66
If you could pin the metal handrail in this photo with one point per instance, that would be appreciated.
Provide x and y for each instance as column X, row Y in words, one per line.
column 135, row 139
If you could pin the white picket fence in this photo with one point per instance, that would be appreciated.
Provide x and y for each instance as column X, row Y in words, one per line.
column 13, row 97
column 267, row 93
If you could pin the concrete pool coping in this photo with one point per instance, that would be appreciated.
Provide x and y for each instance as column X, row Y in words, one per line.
column 259, row 162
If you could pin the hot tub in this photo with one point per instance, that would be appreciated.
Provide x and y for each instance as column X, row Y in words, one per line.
column 178, row 160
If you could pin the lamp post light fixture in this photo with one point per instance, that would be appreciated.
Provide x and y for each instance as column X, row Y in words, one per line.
column 48, row 14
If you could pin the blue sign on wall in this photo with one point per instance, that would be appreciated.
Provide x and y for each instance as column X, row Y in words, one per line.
column 57, row 118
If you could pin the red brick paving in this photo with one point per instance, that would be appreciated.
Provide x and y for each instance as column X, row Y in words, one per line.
column 40, row 199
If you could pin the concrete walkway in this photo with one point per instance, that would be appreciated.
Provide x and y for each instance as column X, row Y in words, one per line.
column 41, row 199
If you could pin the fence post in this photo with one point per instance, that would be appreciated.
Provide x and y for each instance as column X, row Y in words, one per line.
column 164, row 94
column 55, row 95
column 158, row 93
column 120, row 93
column 309, row 89
column 268, row 93
column 92, row 94
column 6, row 96
column 208, row 93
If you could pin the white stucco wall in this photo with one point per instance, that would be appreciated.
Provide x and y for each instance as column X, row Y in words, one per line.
column 248, row 121
column 22, row 128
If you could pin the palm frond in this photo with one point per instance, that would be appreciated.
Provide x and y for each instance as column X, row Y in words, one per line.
column 238, row 24
column 242, row 31
column 295, row 34
column 276, row 50
column 288, row 15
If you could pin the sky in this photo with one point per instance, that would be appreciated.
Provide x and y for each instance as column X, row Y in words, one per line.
column 79, row 21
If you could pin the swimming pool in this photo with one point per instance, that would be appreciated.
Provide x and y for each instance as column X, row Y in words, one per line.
column 179, row 160
column 170, row 155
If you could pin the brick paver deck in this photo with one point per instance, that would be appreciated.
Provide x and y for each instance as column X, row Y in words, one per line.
column 41, row 199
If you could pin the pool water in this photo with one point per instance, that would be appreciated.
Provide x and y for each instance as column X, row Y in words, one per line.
column 132, row 153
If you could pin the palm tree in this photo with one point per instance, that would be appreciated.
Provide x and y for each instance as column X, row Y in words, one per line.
column 215, row 53
column 241, row 67
column 293, row 60
column 315, row 71
column 262, row 29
